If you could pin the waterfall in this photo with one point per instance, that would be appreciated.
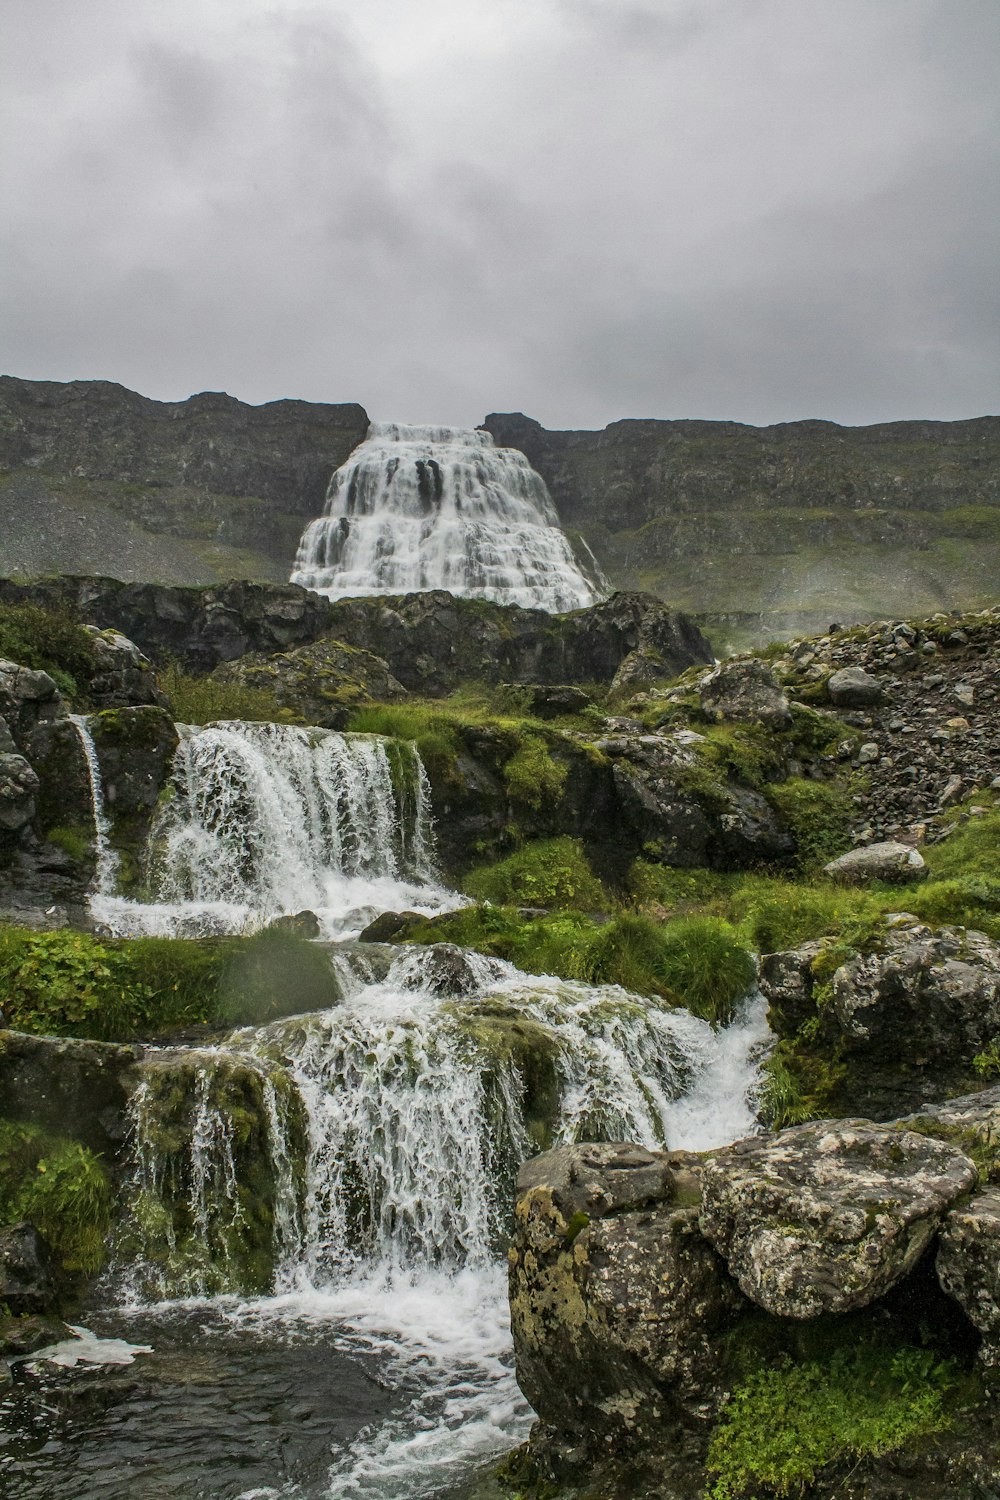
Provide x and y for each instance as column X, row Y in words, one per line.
column 262, row 819
column 106, row 858
column 357, row 1164
column 417, row 508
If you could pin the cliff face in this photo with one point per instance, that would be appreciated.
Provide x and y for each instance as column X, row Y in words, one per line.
column 755, row 530
column 94, row 478
column 781, row 528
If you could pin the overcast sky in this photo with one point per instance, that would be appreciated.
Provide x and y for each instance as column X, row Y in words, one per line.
column 581, row 209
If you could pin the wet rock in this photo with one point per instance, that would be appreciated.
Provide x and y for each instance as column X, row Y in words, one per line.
column 27, row 1282
column 616, row 1299
column 746, row 690
column 23, row 1335
column 895, row 863
column 303, row 924
column 853, row 687
column 135, row 749
column 826, row 1218
column 968, row 1266
column 122, row 676
column 70, row 1087
column 450, row 971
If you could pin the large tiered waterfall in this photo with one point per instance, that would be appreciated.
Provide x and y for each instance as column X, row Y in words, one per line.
column 313, row 1213
column 441, row 508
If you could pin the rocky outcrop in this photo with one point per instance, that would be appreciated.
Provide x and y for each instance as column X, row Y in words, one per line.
column 826, row 1218
column 27, row 1282
column 745, row 690
column 69, row 1087
column 968, row 1265
column 321, row 683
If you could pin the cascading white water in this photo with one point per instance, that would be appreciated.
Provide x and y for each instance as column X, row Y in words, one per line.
column 417, row 508
column 106, row 859
column 392, row 1127
column 263, row 819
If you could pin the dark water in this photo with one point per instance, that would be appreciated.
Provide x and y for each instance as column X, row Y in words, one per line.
column 215, row 1412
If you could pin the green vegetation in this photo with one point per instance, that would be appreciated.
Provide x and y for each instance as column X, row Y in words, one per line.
column 48, row 641
column 532, row 776
column 72, row 984
column 784, row 1425
column 547, row 872
column 60, row 1187
column 819, row 816
column 203, row 700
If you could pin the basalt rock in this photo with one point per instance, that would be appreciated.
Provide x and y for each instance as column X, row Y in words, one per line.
column 18, row 785
column 26, row 697
column 122, row 677
column 747, row 691
column 27, row 1283
column 321, row 683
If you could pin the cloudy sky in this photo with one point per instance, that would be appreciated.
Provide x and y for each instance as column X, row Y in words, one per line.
column 581, row 209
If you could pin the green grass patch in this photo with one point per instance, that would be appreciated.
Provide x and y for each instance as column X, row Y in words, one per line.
column 59, row 1186
column 204, row 700
column 532, row 776
column 784, row 1425
column 72, row 984
column 819, row 816
column 547, row 872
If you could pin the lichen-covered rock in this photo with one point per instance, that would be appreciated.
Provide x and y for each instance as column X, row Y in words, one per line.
column 923, row 995
column 787, row 982
column 746, row 690
column 968, row 1266
column 826, row 1218
column 27, row 1283
column 895, row 863
column 122, row 676
column 616, row 1299
column 321, row 682
column 26, row 697
column 853, row 687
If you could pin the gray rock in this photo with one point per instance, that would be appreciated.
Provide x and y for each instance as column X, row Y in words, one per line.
column 968, row 1266
column 122, row 677
column 853, row 687
column 786, row 982
column 25, row 698
column 746, row 690
column 76, row 1088
column 18, row 785
column 444, row 969
column 826, row 1218
column 899, row 864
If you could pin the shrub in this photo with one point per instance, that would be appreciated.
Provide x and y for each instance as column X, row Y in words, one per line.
column 532, row 776
column 59, row 1186
column 549, row 872
column 48, row 640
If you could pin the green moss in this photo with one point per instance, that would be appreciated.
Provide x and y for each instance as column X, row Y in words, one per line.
column 784, row 1425
column 532, row 776
column 75, row 841
column 801, row 1082
column 819, row 816
column 48, row 640
column 548, row 872
column 203, row 700
column 59, row 1186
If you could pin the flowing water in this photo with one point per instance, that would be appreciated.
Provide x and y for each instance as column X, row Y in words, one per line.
column 441, row 508
column 313, row 1212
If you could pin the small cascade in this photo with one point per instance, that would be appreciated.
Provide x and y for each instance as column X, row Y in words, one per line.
column 262, row 819
column 106, row 861
column 418, row 508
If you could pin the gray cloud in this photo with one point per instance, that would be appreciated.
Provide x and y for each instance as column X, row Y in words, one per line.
column 586, row 209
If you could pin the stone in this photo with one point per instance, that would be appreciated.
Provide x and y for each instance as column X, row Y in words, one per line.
column 853, row 687
column 968, row 1266
column 26, row 697
column 828, row 1217
column 18, row 785
column 389, row 925
column 929, row 995
column 952, row 790
column 79, row 1088
column 27, row 1282
column 868, row 752
column 122, row 676
column 321, row 682
column 965, row 694
column 617, row 1303
column 786, row 982
column 303, row 924
column 746, row 690
column 891, row 861
column 447, row 970
column 551, row 702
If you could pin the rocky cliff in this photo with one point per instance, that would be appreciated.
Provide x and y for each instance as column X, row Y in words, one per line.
column 785, row 528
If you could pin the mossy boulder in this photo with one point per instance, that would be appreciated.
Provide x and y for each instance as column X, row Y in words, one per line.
column 321, row 683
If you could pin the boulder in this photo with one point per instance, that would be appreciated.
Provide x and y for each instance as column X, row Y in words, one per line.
column 617, row 1302
column 25, row 698
column 746, row 690
column 389, row 926
column 447, row 970
column 853, row 687
column 968, row 1266
column 122, row 676
column 923, row 995
column 895, row 863
column 827, row 1217
column 321, row 683
column 786, row 981
column 70, row 1087
column 135, row 750
column 303, row 924
column 551, row 702
column 27, row 1282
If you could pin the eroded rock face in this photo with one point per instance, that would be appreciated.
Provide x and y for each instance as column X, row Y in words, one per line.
column 616, row 1298
column 968, row 1266
column 746, row 690
column 321, row 682
column 18, row 785
column 26, row 697
column 122, row 676
column 895, row 863
column 27, row 1284
column 825, row 1218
